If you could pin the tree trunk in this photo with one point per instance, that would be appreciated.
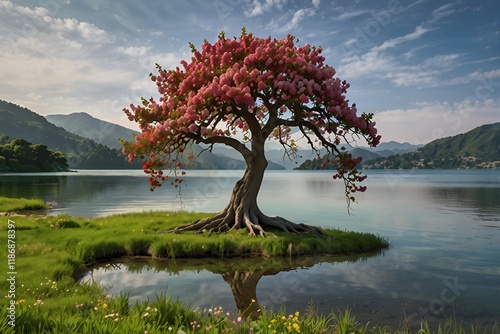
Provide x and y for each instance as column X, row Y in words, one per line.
column 244, row 288
column 243, row 211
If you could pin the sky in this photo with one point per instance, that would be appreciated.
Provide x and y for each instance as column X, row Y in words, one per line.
column 427, row 69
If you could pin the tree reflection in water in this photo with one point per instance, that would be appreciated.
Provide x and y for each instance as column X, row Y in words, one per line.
column 242, row 274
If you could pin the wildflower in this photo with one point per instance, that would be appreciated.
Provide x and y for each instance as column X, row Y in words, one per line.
column 239, row 319
column 20, row 301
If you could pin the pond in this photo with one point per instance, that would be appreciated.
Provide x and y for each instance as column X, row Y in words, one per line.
column 444, row 228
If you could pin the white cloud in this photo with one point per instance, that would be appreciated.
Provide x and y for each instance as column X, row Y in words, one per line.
column 261, row 8
column 414, row 78
column 297, row 17
column 27, row 22
column 441, row 61
column 433, row 120
column 419, row 32
column 62, row 65
column 419, row 77
column 478, row 76
column 441, row 12
column 316, row 3
column 349, row 15
column 369, row 63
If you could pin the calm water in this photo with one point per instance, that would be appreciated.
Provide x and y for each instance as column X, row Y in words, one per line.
column 444, row 227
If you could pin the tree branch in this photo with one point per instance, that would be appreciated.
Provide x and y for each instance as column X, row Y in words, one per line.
column 228, row 141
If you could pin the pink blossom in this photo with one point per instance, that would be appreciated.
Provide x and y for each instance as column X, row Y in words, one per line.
column 246, row 76
column 193, row 127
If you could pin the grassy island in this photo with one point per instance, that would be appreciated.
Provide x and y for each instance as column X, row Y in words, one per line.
column 20, row 205
column 50, row 252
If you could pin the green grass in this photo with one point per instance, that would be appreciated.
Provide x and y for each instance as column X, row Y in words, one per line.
column 52, row 251
column 8, row 204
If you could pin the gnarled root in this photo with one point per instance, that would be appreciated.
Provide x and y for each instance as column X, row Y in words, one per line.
column 253, row 220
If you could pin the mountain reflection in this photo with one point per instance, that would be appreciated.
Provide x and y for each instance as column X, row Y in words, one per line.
column 242, row 275
column 483, row 201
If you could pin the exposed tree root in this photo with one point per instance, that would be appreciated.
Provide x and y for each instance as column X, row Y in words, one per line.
column 243, row 211
column 254, row 221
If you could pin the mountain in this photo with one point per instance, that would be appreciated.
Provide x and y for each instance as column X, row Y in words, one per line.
column 478, row 148
column 395, row 147
column 275, row 157
column 316, row 163
column 20, row 122
column 87, row 126
column 108, row 134
column 367, row 153
column 211, row 160
column 309, row 159
column 90, row 152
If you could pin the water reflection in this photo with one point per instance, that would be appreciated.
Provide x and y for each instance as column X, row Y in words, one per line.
column 443, row 225
column 44, row 186
column 482, row 201
column 242, row 276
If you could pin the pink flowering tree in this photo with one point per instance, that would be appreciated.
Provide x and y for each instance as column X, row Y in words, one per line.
column 241, row 93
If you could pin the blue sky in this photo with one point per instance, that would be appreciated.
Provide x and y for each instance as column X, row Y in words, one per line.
column 426, row 68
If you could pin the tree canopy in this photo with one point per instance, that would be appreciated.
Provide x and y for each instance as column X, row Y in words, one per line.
column 240, row 93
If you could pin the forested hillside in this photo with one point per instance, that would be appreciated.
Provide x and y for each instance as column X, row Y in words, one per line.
column 20, row 122
column 478, row 148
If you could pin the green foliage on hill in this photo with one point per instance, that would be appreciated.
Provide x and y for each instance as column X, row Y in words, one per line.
column 19, row 155
column 478, row 148
column 320, row 163
column 87, row 145
column 83, row 153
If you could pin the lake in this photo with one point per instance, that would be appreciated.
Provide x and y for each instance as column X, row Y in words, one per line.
column 444, row 228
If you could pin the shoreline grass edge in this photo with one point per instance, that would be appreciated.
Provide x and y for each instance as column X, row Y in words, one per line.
column 52, row 250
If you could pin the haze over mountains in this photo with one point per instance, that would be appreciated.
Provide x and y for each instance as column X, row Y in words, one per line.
column 221, row 157
column 478, row 148
column 109, row 134
column 81, row 152
column 87, row 126
column 89, row 142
